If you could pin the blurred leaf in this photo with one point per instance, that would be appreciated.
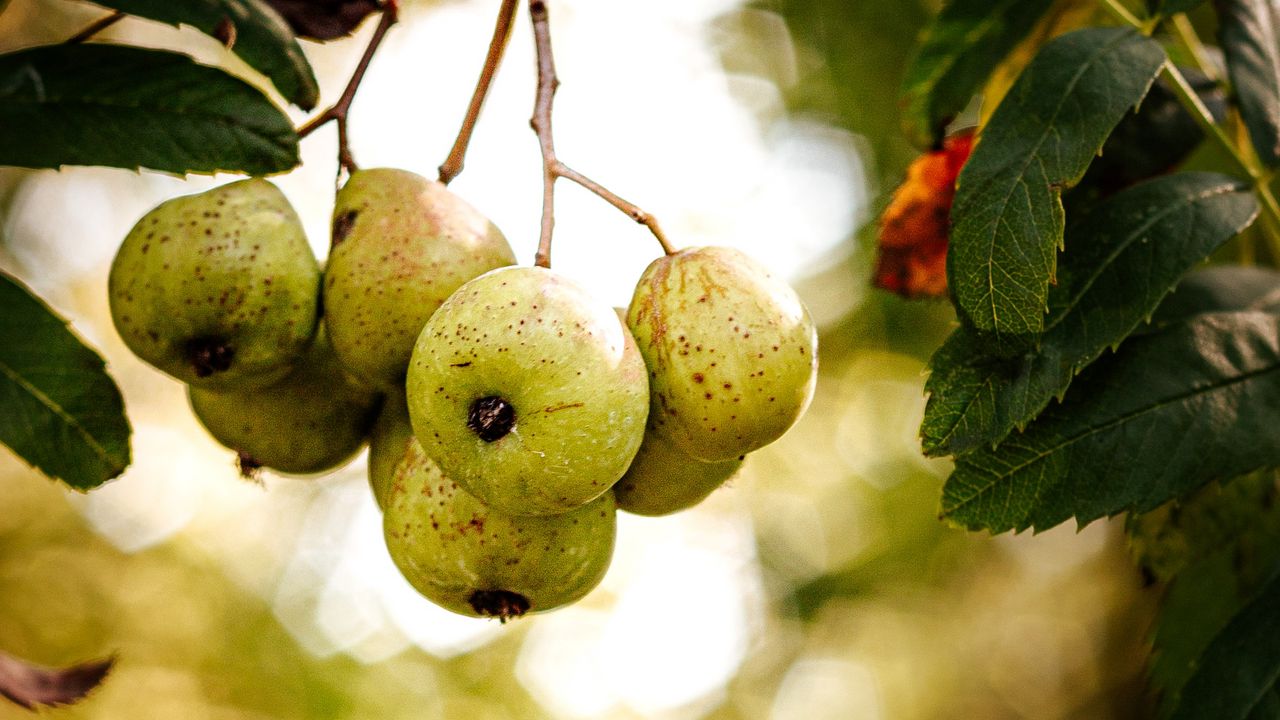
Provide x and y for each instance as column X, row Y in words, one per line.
column 129, row 107
column 1121, row 259
column 1007, row 220
column 1215, row 289
column 62, row 412
column 249, row 28
column 959, row 49
column 1235, row 677
column 1151, row 140
column 1215, row 548
column 1172, row 7
column 855, row 53
column 324, row 19
column 33, row 687
column 1197, row 401
column 1247, row 32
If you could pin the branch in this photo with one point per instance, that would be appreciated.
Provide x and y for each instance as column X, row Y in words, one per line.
column 552, row 168
column 452, row 166
column 338, row 111
column 95, row 27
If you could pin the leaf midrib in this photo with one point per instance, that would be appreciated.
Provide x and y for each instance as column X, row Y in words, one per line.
column 1093, row 430
column 101, row 452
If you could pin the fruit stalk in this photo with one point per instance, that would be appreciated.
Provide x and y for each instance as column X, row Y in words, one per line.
column 338, row 111
column 552, row 167
column 452, row 165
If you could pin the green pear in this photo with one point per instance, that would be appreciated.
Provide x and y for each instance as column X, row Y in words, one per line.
column 218, row 289
column 731, row 351
column 401, row 245
column 388, row 442
column 528, row 392
column 313, row 420
column 664, row 479
column 475, row 560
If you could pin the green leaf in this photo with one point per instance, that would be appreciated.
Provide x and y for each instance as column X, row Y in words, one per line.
column 1121, row 259
column 261, row 37
column 1007, row 218
column 1247, row 32
column 958, row 50
column 1169, row 412
column 1172, row 7
column 62, row 412
column 1226, row 287
column 129, row 107
column 1235, row 678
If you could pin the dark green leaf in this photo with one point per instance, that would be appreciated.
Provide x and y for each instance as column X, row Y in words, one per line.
column 129, row 107
column 1151, row 140
column 958, row 51
column 1121, row 259
column 1226, row 287
column 1007, row 219
column 1172, row 7
column 1247, row 32
column 1218, row 548
column 256, row 33
column 1169, row 412
column 1235, row 677
column 62, row 412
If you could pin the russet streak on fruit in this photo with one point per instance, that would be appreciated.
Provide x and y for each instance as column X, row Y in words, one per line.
column 401, row 245
column 218, row 289
column 731, row 351
column 478, row 561
column 564, row 364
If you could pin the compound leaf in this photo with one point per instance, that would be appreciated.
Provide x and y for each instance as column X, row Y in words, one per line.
column 1195, row 402
column 129, row 107
column 1007, row 219
column 1121, row 259
column 1247, row 31
column 958, row 50
column 251, row 29
column 62, row 412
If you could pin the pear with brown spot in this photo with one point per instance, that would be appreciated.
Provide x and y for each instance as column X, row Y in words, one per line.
column 218, row 289
column 528, row 392
column 731, row 351
column 478, row 561
column 401, row 245
column 314, row 420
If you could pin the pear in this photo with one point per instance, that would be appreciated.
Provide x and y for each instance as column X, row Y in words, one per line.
column 401, row 245
column 663, row 479
column 478, row 561
column 218, row 289
column 528, row 392
column 731, row 351
column 388, row 442
column 313, row 420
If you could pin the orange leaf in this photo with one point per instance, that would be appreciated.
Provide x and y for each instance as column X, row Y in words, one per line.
column 912, row 251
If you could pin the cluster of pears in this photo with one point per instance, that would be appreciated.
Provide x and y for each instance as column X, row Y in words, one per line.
column 509, row 413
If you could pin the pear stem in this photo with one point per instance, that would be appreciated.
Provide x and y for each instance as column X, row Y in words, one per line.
column 452, row 166
column 95, row 27
column 552, row 168
column 338, row 111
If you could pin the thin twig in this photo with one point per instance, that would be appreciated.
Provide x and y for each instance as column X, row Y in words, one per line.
column 338, row 111
column 1186, row 32
column 95, row 27
column 452, row 166
column 552, row 168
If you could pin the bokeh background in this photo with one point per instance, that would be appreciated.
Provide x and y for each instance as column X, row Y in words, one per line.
column 818, row 584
